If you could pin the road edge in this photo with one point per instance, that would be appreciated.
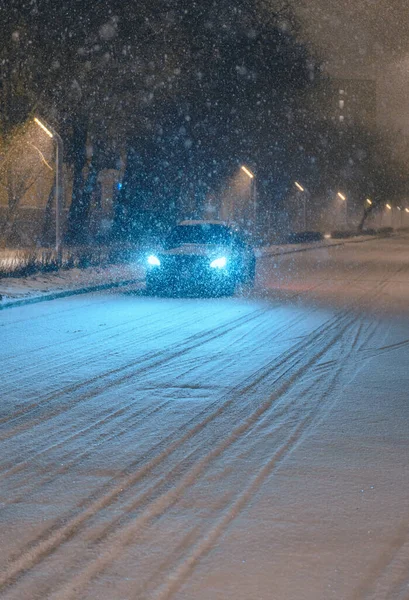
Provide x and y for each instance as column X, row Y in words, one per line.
column 118, row 284
column 72, row 292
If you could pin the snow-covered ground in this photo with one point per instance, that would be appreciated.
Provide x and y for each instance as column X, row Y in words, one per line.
column 50, row 285
column 42, row 285
column 253, row 447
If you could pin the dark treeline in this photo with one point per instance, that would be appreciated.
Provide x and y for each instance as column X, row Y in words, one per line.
column 179, row 93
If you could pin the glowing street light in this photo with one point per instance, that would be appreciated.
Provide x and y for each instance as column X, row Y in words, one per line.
column 407, row 210
column 302, row 189
column 43, row 127
column 59, row 184
column 389, row 207
column 344, row 199
column 369, row 201
column 253, row 193
column 247, row 172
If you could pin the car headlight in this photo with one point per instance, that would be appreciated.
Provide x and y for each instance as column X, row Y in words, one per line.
column 219, row 263
column 153, row 261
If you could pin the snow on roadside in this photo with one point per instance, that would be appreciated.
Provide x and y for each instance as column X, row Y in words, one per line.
column 288, row 248
column 41, row 285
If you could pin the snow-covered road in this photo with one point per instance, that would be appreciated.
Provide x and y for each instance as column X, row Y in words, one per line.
column 247, row 448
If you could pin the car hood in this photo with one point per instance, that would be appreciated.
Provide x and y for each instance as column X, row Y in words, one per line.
column 208, row 250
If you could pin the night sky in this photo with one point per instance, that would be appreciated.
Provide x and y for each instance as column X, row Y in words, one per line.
column 368, row 39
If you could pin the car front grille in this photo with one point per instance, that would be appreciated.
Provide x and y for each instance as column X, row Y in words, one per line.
column 178, row 268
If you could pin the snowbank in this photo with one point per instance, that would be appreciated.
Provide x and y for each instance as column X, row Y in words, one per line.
column 42, row 286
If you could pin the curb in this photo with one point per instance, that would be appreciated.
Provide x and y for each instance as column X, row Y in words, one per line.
column 118, row 284
column 324, row 245
column 66, row 293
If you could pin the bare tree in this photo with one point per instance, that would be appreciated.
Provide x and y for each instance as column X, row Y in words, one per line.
column 24, row 158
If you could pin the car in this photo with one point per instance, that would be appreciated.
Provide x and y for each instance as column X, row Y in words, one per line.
column 207, row 257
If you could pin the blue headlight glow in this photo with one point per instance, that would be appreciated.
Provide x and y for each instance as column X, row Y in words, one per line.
column 219, row 263
column 153, row 261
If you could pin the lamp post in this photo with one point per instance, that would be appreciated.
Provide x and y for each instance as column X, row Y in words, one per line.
column 369, row 203
column 304, row 197
column 344, row 199
column 401, row 215
column 389, row 207
column 253, row 193
column 59, row 184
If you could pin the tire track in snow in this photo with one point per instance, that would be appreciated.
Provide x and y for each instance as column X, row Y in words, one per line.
column 131, row 420
column 389, row 576
column 120, row 330
column 95, row 569
column 317, row 408
column 113, row 377
column 171, row 497
column 60, row 533
column 154, row 335
column 74, row 457
column 69, row 365
column 48, row 544
column 91, row 446
column 86, row 354
column 89, row 395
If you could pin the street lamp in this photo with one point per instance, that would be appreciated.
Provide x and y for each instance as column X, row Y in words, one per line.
column 253, row 196
column 369, row 201
column 401, row 214
column 344, row 199
column 302, row 189
column 247, row 172
column 59, row 184
column 389, row 207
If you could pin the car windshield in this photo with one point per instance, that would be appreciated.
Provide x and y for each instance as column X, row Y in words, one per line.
column 199, row 234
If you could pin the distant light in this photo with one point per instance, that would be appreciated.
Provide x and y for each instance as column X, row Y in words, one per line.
column 247, row 172
column 219, row 263
column 399, row 208
column 341, row 196
column 119, row 185
column 153, row 261
column 43, row 127
column 369, row 201
column 389, row 207
column 299, row 186
column 407, row 210
column 327, row 236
